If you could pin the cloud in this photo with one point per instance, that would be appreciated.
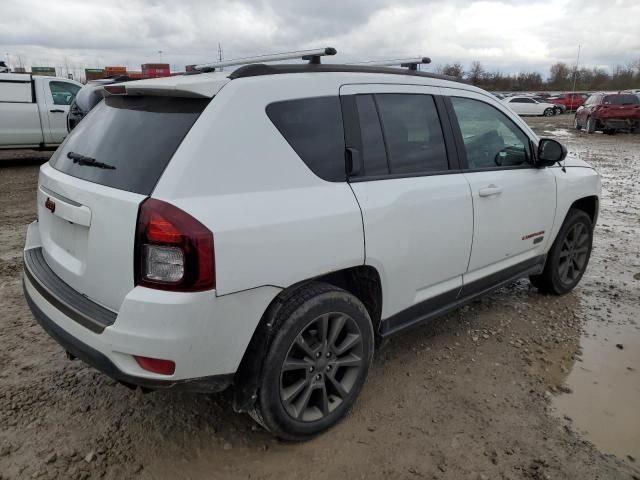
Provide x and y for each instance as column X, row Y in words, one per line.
column 510, row 35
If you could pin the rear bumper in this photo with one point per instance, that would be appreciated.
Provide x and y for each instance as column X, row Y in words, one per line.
column 101, row 362
column 205, row 335
column 612, row 122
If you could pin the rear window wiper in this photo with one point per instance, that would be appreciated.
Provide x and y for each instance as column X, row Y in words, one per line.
column 88, row 161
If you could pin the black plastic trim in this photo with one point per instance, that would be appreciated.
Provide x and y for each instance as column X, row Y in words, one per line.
column 69, row 301
column 260, row 69
column 99, row 361
column 445, row 302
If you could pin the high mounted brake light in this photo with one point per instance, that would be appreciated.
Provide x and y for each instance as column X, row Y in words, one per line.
column 116, row 89
column 173, row 250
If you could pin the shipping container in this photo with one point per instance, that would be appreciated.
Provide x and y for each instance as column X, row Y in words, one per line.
column 46, row 71
column 115, row 71
column 135, row 75
column 93, row 74
column 155, row 70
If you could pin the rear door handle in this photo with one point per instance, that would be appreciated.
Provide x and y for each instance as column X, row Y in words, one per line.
column 490, row 190
column 56, row 111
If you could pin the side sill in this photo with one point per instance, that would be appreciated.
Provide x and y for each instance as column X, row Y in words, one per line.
column 445, row 302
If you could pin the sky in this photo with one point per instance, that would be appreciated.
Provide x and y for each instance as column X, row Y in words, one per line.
column 509, row 35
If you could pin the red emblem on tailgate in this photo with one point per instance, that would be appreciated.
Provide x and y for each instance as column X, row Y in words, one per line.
column 50, row 204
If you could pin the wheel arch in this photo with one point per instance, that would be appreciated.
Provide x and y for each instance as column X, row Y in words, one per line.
column 362, row 281
column 590, row 205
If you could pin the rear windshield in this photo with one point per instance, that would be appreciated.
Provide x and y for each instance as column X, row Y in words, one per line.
column 126, row 142
column 620, row 100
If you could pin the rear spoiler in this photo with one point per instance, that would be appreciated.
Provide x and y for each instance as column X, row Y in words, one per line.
column 201, row 86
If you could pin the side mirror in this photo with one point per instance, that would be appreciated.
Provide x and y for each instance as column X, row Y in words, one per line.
column 550, row 152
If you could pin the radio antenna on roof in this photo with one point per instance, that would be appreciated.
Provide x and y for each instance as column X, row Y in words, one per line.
column 313, row 56
column 410, row 63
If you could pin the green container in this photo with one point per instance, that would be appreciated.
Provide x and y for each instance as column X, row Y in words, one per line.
column 46, row 71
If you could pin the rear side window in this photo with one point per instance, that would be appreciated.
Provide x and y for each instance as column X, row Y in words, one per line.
column 374, row 154
column 313, row 128
column 412, row 133
column 137, row 136
column 620, row 100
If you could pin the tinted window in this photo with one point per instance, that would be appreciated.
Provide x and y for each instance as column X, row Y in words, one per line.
column 491, row 139
column 412, row 133
column 136, row 135
column 313, row 128
column 620, row 100
column 374, row 154
column 63, row 93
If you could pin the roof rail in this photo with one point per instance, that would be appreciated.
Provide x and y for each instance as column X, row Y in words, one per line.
column 313, row 56
column 410, row 63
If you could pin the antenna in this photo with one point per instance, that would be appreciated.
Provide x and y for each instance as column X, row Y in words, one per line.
column 313, row 56
column 410, row 63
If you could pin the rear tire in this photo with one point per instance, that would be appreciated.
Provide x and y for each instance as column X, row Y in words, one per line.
column 548, row 112
column 576, row 124
column 316, row 364
column 569, row 255
column 591, row 125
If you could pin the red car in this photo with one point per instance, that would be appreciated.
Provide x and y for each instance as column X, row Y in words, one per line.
column 609, row 112
column 571, row 101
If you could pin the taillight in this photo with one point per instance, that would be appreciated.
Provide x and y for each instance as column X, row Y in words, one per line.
column 173, row 251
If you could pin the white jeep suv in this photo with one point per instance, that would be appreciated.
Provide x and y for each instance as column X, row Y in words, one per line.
column 268, row 228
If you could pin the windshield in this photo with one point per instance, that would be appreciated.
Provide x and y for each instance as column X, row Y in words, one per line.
column 620, row 100
column 135, row 137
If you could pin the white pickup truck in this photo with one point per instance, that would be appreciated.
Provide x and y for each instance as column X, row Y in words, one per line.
column 33, row 110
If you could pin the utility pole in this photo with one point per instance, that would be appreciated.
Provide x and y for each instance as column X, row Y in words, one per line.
column 160, row 53
column 575, row 74
column 220, row 54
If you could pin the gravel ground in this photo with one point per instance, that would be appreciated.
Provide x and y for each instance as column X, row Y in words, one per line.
column 478, row 394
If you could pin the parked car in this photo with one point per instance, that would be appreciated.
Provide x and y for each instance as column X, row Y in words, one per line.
column 3, row 67
column 174, row 249
column 557, row 108
column 571, row 101
column 524, row 105
column 609, row 113
column 33, row 110
column 88, row 97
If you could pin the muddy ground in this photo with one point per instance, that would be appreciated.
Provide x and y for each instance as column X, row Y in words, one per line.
column 514, row 386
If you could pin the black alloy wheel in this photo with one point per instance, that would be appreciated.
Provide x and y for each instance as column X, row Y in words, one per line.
column 568, row 257
column 321, row 367
column 317, row 361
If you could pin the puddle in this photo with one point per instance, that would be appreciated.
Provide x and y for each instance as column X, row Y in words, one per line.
column 605, row 385
column 558, row 132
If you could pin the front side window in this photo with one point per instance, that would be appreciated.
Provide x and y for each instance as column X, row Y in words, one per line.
column 412, row 133
column 491, row 139
column 313, row 128
column 63, row 93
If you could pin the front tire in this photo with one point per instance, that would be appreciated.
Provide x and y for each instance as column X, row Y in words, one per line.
column 591, row 125
column 569, row 255
column 317, row 362
column 548, row 112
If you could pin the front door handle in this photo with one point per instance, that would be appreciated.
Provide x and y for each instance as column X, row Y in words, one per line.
column 490, row 190
column 56, row 111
